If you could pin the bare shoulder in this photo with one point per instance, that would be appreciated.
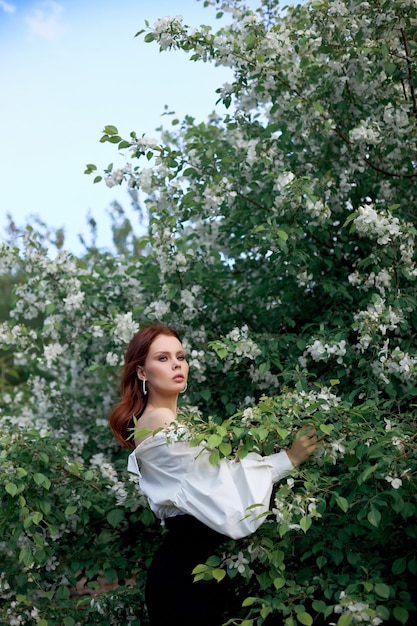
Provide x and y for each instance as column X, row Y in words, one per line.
column 152, row 420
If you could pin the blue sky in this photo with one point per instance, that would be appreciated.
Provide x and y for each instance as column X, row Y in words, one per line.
column 68, row 68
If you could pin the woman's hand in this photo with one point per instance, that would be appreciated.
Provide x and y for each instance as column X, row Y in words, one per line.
column 305, row 442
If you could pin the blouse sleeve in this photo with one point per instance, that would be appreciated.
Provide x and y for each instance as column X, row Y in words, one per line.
column 230, row 497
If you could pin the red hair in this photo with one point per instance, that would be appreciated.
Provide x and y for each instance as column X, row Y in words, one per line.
column 133, row 400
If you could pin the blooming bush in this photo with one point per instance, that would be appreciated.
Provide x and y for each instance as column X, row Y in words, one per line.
column 281, row 245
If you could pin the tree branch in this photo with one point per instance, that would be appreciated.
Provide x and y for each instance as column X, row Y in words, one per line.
column 409, row 71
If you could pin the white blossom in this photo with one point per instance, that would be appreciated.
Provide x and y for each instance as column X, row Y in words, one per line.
column 320, row 351
column 381, row 225
column 157, row 309
column 367, row 133
column 317, row 210
column 74, row 301
column 237, row 561
column 112, row 358
column 115, row 177
column 358, row 611
column 52, row 351
column 284, row 179
column 145, row 179
column 395, row 482
column 97, row 332
column 125, row 327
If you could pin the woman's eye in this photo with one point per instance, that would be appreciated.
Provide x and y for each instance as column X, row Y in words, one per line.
column 181, row 357
column 162, row 358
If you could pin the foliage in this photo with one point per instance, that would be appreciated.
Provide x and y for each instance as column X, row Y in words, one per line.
column 343, row 527
column 63, row 527
column 281, row 245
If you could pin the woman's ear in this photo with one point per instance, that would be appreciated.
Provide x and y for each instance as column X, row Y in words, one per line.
column 140, row 373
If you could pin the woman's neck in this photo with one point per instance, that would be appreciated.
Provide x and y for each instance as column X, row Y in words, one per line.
column 163, row 403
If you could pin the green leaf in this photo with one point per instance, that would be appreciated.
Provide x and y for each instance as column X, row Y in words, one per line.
column 149, row 37
column 63, row 593
column 389, row 68
column 26, row 557
column 282, row 234
column 318, row 107
column 374, row 517
column 319, row 606
column 42, row 480
column 345, row 620
column 11, row 489
column 225, row 448
column 279, row 583
column 37, row 517
column 205, row 394
column 190, row 171
column 110, row 130
column 27, row 522
column 141, row 433
column 350, row 218
column 305, row 523
column 305, row 618
column 200, row 569
column 110, row 574
column 221, row 352
column 214, row 458
column 365, row 475
column 382, row 590
column 282, row 432
column 115, row 517
column 214, row 440
column 249, row 601
column 326, row 428
column 250, row 41
column 70, row 510
column 264, row 367
column 218, row 574
column 400, row 614
column 48, row 594
column 398, row 567
column 343, row 503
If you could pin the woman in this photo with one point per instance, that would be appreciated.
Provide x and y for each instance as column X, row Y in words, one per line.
column 201, row 505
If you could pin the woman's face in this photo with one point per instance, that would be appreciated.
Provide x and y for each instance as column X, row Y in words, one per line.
column 165, row 369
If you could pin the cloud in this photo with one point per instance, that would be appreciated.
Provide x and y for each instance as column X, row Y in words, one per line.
column 6, row 7
column 45, row 20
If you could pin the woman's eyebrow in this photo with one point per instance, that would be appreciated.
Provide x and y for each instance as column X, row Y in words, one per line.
column 168, row 352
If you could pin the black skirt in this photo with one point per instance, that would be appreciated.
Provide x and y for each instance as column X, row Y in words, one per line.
column 172, row 598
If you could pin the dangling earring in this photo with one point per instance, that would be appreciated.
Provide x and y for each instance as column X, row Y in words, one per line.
column 185, row 388
column 145, row 391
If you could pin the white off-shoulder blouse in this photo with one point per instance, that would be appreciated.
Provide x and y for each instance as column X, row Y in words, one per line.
column 231, row 497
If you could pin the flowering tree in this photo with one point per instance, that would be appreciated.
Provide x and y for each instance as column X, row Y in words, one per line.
column 281, row 245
